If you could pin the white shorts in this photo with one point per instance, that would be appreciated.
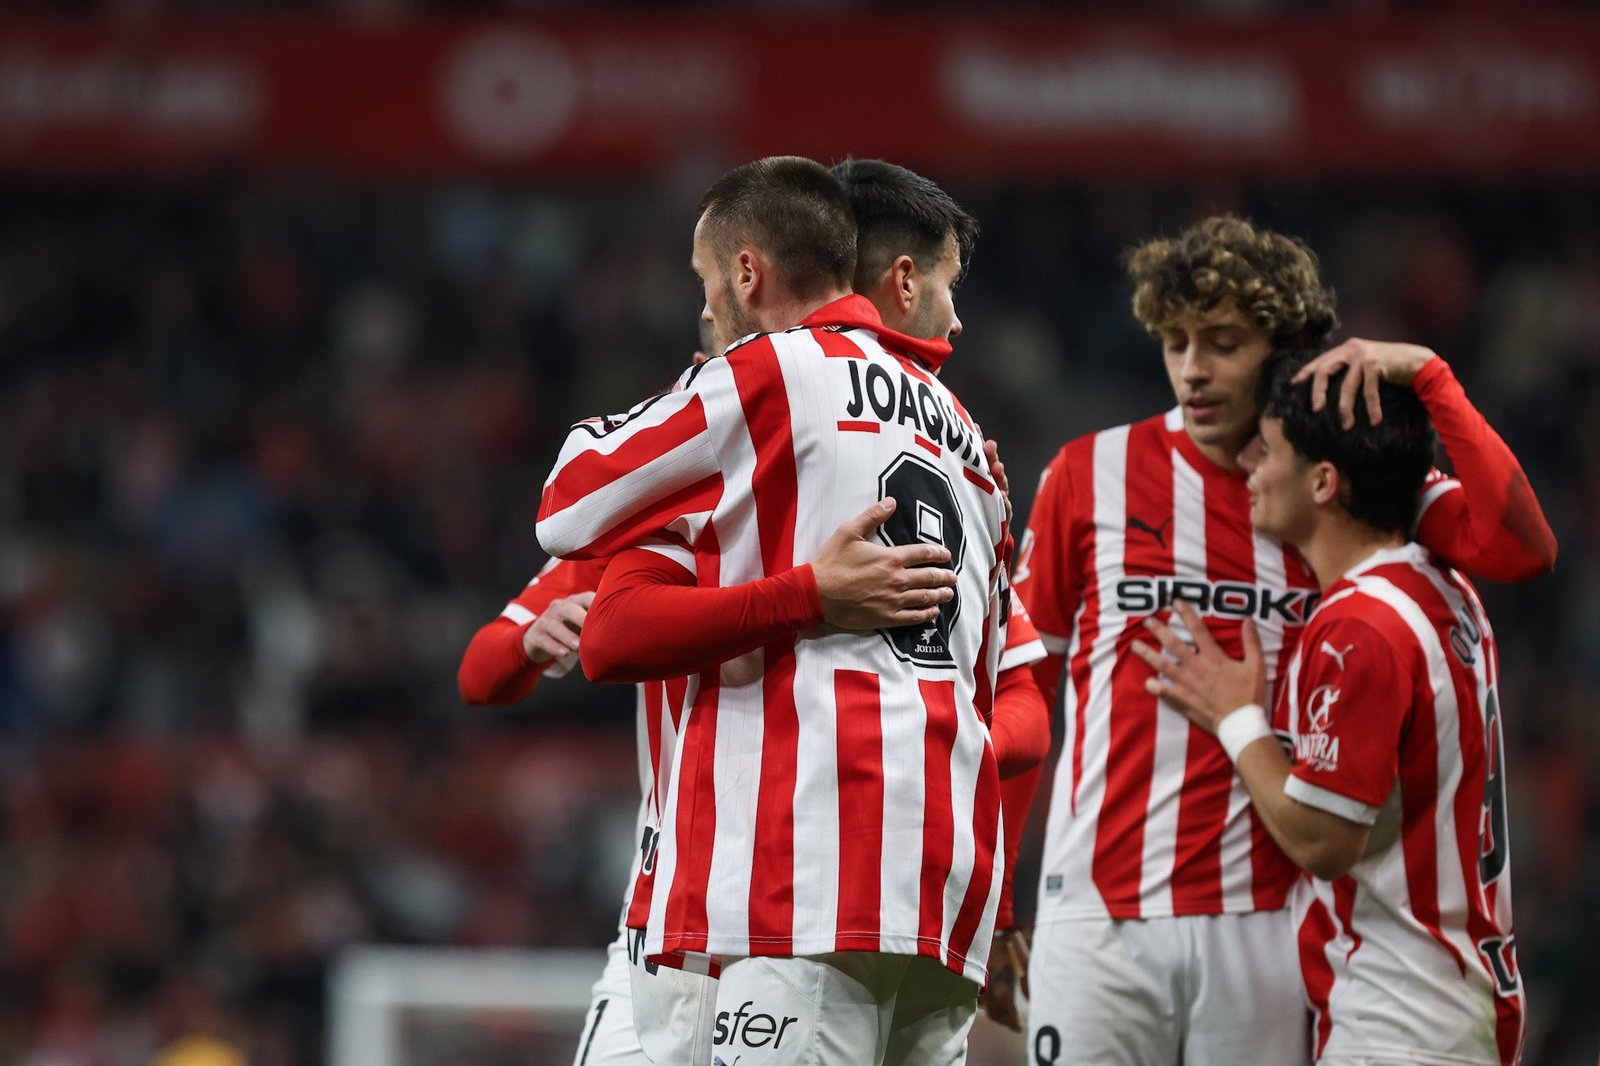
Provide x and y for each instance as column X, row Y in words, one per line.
column 848, row 1008
column 642, row 1014
column 672, row 1009
column 608, row 1038
column 1199, row 990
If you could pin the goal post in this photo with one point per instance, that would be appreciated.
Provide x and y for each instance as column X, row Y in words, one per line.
column 418, row 1006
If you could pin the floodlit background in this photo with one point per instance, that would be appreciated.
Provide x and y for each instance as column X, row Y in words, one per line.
column 298, row 298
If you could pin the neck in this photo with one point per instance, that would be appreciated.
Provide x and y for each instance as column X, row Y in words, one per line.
column 1339, row 543
column 1226, row 456
column 787, row 310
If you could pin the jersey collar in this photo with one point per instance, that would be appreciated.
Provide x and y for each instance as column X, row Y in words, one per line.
column 858, row 312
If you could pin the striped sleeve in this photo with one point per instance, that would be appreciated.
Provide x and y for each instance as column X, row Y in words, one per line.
column 1044, row 575
column 651, row 473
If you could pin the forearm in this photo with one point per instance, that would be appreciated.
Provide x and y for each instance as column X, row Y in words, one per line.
column 650, row 622
column 495, row 671
column 1492, row 526
column 1016, row 800
column 1020, row 725
column 1314, row 840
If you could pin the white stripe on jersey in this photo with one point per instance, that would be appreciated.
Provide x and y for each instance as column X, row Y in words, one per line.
column 816, row 812
column 1172, row 728
column 905, row 725
column 1452, row 889
column 1075, row 821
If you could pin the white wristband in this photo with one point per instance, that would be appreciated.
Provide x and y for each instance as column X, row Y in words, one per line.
column 1242, row 727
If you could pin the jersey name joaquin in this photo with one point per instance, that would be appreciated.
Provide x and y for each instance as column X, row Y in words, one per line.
column 1226, row 599
column 910, row 403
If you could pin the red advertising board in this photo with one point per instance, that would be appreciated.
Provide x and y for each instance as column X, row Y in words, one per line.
column 1015, row 96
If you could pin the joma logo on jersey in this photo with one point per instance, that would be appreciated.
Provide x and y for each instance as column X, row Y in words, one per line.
column 1227, row 599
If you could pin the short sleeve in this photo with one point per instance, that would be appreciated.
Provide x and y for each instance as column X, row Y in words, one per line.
column 1349, row 706
column 1046, row 576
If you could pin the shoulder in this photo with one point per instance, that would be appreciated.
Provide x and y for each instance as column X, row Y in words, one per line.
column 1358, row 615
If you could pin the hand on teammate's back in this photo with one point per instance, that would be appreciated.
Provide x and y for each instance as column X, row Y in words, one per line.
column 1008, row 979
column 554, row 634
column 1370, row 362
column 867, row 585
column 992, row 451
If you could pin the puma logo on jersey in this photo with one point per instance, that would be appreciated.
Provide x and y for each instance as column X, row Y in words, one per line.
column 1338, row 656
column 1135, row 522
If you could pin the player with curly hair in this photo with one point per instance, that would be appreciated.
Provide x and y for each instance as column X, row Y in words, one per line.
column 1161, row 930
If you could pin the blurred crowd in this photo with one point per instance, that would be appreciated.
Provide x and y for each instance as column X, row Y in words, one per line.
column 136, row 10
column 271, row 448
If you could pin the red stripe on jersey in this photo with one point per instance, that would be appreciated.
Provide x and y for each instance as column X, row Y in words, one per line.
column 654, row 697
column 1316, row 932
column 759, row 379
column 1272, row 873
column 859, row 726
column 1078, row 669
column 938, row 827
column 926, row 443
column 860, row 427
column 691, row 499
column 1420, row 842
column 1131, row 747
column 979, row 480
column 1208, row 775
column 985, row 832
column 836, row 345
column 696, row 824
column 589, row 472
column 1419, row 800
column 772, row 864
column 911, row 366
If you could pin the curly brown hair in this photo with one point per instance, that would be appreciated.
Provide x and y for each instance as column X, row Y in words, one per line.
column 1274, row 280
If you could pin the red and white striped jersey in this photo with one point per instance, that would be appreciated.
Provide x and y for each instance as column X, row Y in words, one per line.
column 1147, row 818
column 834, row 791
column 1391, row 710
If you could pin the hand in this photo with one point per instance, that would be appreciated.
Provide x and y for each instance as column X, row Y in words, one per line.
column 1008, row 972
column 1370, row 362
column 867, row 585
column 554, row 633
column 992, row 451
column 1202, row 680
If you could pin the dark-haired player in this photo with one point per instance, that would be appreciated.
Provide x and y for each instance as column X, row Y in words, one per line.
column 832, row 827
column 1392, row 795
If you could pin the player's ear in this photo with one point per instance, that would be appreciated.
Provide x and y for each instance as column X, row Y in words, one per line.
column 1325, row 482
column 749, row 272
column 904, row 282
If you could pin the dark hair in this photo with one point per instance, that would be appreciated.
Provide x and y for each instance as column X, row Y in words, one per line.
column 1274, row 280
column 1382, row 467
column 791, row 208
column 899, row 212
